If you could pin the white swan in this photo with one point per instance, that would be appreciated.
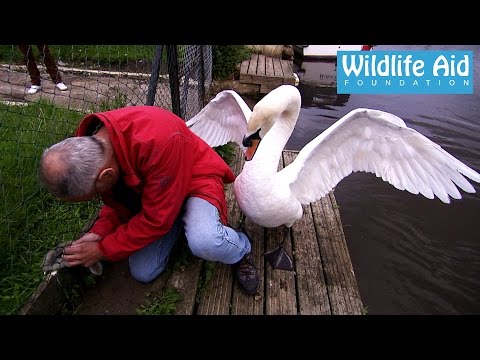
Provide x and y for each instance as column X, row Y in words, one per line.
column 363, row 140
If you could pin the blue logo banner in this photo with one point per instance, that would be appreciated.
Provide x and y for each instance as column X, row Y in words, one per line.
column 405, row 72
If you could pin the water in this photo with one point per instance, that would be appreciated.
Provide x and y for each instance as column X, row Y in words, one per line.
column 411, row 255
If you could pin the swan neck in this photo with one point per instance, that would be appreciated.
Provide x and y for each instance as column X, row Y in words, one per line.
column 272, row 145
column 284, row 119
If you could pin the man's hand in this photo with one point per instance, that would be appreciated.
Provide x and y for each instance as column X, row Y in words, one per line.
column 88, row 237
column 83, row 252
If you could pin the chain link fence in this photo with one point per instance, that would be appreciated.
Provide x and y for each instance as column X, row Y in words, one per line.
column 98, row 78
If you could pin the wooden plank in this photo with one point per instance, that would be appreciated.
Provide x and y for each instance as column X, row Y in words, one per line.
column 266, row 88
column 252, row 67
column 312, row 290
column 261, row 70
column 277, row 68
column 243, row 304
column 286, row 68
column 340, row 254
column 356, row 304
column 215, row 297
column 332, row 276
column 248, row 69
column 244, row 67
column 288, row 77
column 269, row 71
column 339, row 276
column 184, row 280
column 247, row 79
column 269, row 80
column 260, row 79
column 280, row 293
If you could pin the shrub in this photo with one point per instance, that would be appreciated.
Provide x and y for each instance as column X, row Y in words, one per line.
column 225, row 59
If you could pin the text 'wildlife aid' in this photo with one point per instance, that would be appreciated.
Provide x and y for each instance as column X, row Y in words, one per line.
column 405, row 72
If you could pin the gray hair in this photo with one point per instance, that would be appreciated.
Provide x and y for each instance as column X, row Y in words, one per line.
column 77, row 161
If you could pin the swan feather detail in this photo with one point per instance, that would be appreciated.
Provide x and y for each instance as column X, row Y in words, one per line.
column 223, row 120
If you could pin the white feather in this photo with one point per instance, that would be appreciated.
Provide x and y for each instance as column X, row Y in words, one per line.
column 223, row 120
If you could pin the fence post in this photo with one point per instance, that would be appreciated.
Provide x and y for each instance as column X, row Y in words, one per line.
column 202, row 74
column 152, row 86
column 172, row 64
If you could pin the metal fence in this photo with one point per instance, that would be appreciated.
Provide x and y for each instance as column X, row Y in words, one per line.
column 98, row 78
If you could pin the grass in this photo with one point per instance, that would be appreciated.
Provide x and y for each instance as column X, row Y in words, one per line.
column 225, row 60
column 91, row 56
column 226, row 152
column 161, row 304
column 31, row 220
column 73, row 293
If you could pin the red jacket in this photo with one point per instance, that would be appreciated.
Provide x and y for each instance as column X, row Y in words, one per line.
column 163, row 162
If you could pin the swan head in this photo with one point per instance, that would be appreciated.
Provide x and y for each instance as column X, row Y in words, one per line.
column 261, row 121
column 281, row 103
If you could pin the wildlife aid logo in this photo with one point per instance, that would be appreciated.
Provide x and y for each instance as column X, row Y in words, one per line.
column 405, row 72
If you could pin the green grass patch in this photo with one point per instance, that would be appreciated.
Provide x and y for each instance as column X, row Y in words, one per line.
column 24, row 132
column 91, row 56
column 227, row 152
column 225, row 60
column 73, row 293
column 31, row 220
column 161, row 304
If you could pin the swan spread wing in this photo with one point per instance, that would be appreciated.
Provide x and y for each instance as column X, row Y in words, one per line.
column 222, row 120
column 377, row 142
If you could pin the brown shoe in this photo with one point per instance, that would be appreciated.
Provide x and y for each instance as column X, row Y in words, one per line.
column 246, row 272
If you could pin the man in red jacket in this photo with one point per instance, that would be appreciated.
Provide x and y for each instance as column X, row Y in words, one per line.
column 156, row 178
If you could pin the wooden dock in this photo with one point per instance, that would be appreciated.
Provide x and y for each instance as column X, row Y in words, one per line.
column 267, row 72
column 322, row 283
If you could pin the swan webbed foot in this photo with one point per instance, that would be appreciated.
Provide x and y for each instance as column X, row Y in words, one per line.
column 279, row 259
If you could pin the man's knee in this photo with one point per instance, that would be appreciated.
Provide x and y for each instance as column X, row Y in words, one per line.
column 204, row 244
column 143, row 273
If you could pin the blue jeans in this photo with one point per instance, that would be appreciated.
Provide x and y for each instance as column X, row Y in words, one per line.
column 207, row 238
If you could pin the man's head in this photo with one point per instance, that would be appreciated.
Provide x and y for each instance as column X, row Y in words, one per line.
column 77, row 168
